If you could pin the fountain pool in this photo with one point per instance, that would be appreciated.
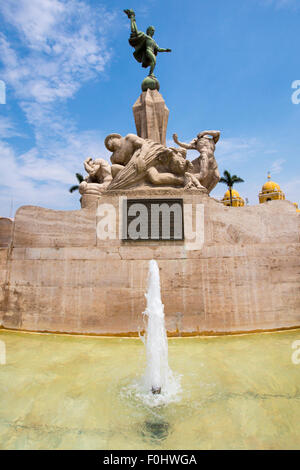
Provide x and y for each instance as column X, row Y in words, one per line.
column 72, row 392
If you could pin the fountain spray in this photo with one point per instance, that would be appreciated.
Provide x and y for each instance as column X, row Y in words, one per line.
column 157, row 371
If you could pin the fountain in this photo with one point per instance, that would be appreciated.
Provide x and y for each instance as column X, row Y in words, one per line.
column 157, row 370
column 157, row 386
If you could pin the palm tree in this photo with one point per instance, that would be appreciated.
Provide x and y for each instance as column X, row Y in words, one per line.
column 76, row 186
column 230, row 180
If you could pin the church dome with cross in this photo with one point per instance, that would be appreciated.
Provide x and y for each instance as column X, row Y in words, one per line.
column 270, row 191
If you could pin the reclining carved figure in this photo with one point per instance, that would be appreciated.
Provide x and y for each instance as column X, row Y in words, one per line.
column 99, row 176
column 142, row 162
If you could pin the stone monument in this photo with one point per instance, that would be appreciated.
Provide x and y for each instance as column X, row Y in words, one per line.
column 150, row 111
column 223, row 269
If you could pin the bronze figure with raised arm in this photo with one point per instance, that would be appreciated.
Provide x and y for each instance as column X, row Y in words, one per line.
column 145, row 47
column 205, row 166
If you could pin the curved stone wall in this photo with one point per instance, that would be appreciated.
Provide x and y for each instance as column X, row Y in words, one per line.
column 57, row 276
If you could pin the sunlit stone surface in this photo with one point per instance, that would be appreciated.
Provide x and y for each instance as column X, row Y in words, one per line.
column 57, row 276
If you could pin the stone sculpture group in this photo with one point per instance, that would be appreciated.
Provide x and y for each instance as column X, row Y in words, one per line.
column 138, row 162
column 144, row 160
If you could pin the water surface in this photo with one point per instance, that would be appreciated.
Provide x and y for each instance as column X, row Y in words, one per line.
column 71, row 392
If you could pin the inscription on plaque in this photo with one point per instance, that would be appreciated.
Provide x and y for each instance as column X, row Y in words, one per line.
column 153, row 219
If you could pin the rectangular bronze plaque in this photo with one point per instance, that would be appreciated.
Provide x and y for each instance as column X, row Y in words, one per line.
column 153, row 219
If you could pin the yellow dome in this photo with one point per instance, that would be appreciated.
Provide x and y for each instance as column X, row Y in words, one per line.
column 270, row 191
column 237, row 200
column 234, row 194
column 270, row 187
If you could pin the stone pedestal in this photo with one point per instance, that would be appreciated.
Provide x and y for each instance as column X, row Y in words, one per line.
column 89, row 201
column 151, row 116
column 59, row 275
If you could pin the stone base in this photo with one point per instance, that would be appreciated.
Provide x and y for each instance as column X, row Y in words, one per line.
column 89, row 201
column 151, row 116
column 56, row 276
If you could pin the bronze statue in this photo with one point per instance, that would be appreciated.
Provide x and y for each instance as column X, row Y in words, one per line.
column 146, row 50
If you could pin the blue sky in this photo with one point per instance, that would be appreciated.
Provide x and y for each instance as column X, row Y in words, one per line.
column 71, row 79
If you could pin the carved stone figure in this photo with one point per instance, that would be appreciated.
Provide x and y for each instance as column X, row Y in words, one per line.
column 99, row 176
column 205, row 166
column 146, row 50
column 139, row 162
column 122, row 149
column 173, row 169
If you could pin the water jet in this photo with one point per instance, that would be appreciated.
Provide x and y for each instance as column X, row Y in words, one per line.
column 156, row 341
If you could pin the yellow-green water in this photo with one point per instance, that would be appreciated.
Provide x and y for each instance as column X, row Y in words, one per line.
column 68, row 392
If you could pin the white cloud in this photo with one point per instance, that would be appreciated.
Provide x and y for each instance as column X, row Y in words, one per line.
column 277, row 166
column 230, row 149
column 7, row 128
column 237, row 149
column 57, row 46
column 62, row 46
column 35, row 19
column 30, row 179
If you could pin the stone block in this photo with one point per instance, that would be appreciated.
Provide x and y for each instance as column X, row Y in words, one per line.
column 151, row 116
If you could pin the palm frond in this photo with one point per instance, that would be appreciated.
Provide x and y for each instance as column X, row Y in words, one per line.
column 74, row 188
column 237, row 179
column 229, row 179
column 79, row 177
